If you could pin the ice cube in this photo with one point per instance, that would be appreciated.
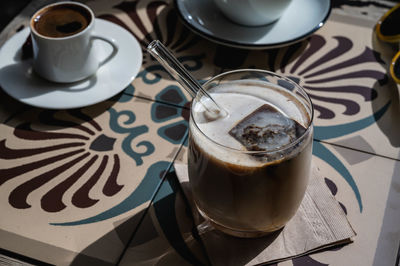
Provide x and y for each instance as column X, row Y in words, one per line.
column 266, row 129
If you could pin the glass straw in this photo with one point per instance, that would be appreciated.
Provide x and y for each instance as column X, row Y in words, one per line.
column 189, row 83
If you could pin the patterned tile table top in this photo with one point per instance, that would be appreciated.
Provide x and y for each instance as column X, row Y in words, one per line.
column 96, row 186
column 72, row 179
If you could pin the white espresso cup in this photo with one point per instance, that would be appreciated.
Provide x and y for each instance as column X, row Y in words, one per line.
column 62, row 40
column 252, row 12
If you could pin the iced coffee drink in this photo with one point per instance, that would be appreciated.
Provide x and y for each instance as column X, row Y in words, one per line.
column 249, row 169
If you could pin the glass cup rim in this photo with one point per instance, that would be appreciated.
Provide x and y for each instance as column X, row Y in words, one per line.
column 92, row 18
column 279, row 149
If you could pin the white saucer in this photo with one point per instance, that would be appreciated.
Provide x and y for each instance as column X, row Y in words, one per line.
column 300, row 19
column 18, row 80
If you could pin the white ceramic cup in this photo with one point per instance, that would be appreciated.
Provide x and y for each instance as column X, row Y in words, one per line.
column 252, row 12
column 69, row 58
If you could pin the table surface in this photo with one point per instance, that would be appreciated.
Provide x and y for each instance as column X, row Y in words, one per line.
column 96, row 185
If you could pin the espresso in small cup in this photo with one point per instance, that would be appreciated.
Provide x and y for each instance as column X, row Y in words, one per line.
column 61, row 20
column 62, row 41
column 249, row 170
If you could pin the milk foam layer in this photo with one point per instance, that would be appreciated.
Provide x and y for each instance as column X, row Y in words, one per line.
column 240, row 99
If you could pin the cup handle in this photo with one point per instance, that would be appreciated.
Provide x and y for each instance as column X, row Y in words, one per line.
column 109, row 41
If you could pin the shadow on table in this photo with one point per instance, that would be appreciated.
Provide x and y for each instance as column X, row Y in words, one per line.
column 117, row 238
column 389, row 123
column 168, row 234
column 388, row 248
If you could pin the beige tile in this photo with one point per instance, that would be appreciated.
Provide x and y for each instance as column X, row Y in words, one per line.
column 376, row 225
column 81, row 180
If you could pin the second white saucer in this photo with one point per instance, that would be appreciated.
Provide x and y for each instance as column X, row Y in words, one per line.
column 300, row 19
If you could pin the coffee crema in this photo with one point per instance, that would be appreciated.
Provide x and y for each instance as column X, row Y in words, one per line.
column 61, row 20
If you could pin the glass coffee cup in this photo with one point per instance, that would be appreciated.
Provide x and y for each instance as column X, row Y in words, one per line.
column 249, row 170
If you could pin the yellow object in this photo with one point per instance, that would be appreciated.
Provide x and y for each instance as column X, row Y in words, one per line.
column 395, row 64
column 384, row 19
